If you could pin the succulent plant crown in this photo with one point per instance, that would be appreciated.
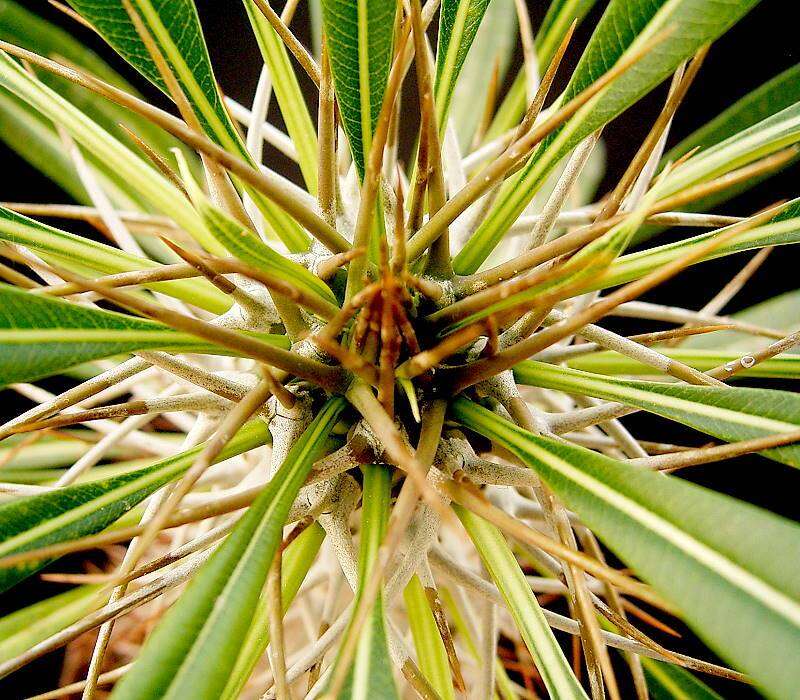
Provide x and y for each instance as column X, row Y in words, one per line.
column 351, row 422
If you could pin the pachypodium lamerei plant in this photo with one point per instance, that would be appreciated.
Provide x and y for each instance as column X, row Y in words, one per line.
column 337, row 437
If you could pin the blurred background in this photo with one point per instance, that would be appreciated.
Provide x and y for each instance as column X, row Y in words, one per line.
column 762, row 45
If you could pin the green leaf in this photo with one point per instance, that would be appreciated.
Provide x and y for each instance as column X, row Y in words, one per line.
column 431, row 654
column 75, row 511
column 315, row 19
column 624, row 27
column 88, row 257
column 247, row 246
column 504, row 570
column 20, row 26
column 371, row 673
column 23, row 28
column 784, row 229
column 459, row 21
column 741, row 148
column 780, row 367
column 297, row 560
column 138, row 179
column 781, row 313
column 359, row 35
column 33, row 138
column 731, row 569
column 505, row 689
column 287, row 91
column 775, row 95
column 494, row 44
column 48, row 477
column 175, row 28
column 555, row 25
column 28, row 626
column 668, row 682
column 587, row 264
column 49, row 452
column 41, row 336
column 559, row 17
column 764, row 102
column 729, row 413
column 213, row 615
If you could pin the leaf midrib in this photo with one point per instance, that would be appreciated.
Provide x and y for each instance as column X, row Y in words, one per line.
column 687, row 405
column 704, row 555
column 303, row 460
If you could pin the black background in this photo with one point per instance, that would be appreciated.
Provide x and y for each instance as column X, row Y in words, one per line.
column 760, row 46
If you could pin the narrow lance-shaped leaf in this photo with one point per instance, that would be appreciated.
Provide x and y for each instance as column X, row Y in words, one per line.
column 781, row 367
column 48, row 477
column 560, row 15
column 504, row 569
column 493, row 45
column 213, row 615
column 41, row 460
column 775, row 95
column 23, row 28
column 23, row 628
column 505, row 688
column 586, row 266
column 459, row 21
column 597, row 266
column 88, row 257
column 624, row 27
column 784, row 229
column 175, row 28
column 287, row 91
column 729, row 413
column 41, row 336
column 768, row 99
column 668, row 682
column 742, row 147
column 33, row 138
column 371, row 673
column 137, row 178
column 359, row 35
column 431, row 652
column 297, row 560
column 781, row 313
column 731, row 569
column 75, row 511
column 246, row 245
column 759, row 125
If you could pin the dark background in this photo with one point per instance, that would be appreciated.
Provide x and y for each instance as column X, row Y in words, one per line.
column 759, row 47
